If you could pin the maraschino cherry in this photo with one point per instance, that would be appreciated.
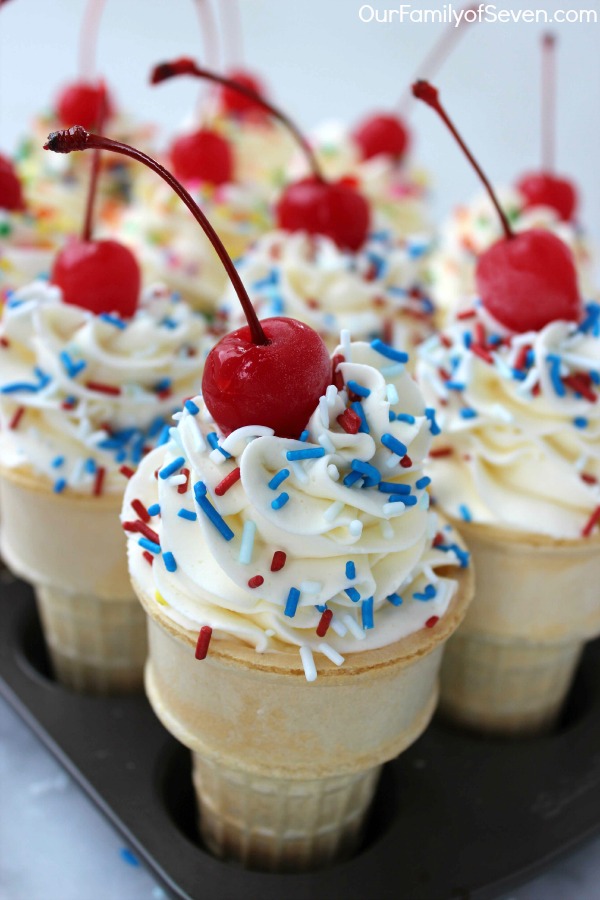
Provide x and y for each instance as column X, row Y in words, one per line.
column 334, row 209
column 268, row 373
column 101, row 276
column 83, row 101
column 524, row 280
column 11, row 192
column 545, row 188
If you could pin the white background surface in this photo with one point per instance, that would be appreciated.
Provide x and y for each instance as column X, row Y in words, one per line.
column 320, row 62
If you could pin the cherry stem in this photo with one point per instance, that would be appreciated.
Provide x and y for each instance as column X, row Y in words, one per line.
column 77, row 138
column 439, row 53
column 89, row 37
column 426, row 92
column 186, row 66
column 88, row 221
column 232, row 28
column 548, row 102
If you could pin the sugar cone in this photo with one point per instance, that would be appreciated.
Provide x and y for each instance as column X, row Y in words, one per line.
column 285, row 769
column 509, row 667
column 71, row 548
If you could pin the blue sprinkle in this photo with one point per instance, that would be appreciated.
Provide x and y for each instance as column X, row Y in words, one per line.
column 59, row 485
column 467, row 339
column 595, row 376
column 351, row 478
column 309, row 453
column 409, row 500
column 154, row 509
column 422, row 482
column 71, row 368
column 468, row 413
column 367, row 613
column 463, row 556
column 530, row 358
column 304, row 436
column 580, row 422
column 57, row 462
column 465, row 512
column 455, row 385
column 358, row 388
column 278, row 478
column 280, row 501
column 268, row 281
column 213, row 440
column 191, row 407
column 358, row 409
column 170, row 564
column 592, row 319
column 291, row 603
column 350, row 570
column 164, row 436
column 554, row 363
column 210, row 512
column 371, row 475
column 184, row 514
column 149, row 545
column 428, row 594
column 392, row 487
column 393, row 444
column 433, row 425
column 171, row 468
column 406, row 417
column 518, row 374
column 389, row 352
column 90, row 466
column 392, row 415
column 169, row 323
column 321, row 609
column 128, row 857
column 113, row 320
column 395, row 599
column 353, row 594
column 156, row 426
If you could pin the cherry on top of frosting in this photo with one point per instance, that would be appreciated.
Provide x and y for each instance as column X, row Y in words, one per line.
column 233, row 102
column 11, row 191
column 334, row 209
column 545, row 187
column 271, row 373
column 102, row 276
column 202, row 155
column 84, row 101
column 382, row 134
column 524, row 280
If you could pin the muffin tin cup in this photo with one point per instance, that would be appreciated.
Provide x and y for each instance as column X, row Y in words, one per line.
column 453, row 816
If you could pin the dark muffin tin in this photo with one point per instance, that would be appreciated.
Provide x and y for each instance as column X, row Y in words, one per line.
column 455, row 816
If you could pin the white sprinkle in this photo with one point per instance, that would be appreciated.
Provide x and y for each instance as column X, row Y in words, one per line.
column 247, row 542
column 325, row 441
column 308, row 662
column 392, row 461
column 310, row 587
column 424, row 500
column 333, row 472
column 97, row 437
column 331, row 394
column 581, row 463
column 177, row 416
column 77, row 472
column 386, row 530
column 324, row 411
column 355, row 527
column 392, row 510
column 333, row 511
column 176, row 437
column 345, row 343
column 502, row 366
column 176, row 480
column 501, row 412
column 524, row 387
column 392, row 393
column 392, row 371
column 216, row 457
column 581, row 362
column 338, row 626
column 353, row 627
column 330, row 653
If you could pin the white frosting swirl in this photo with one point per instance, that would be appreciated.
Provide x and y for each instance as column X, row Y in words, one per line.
column 347, row 544
column 379, row 289
column 79, row 392
column 475, row 226
column 521, row 426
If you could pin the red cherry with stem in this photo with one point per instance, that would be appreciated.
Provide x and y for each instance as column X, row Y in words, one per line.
column 82, row 102
column 101, row 276
column 545, row 188
column 203, row 155
column 524, row 280
column 382, row 135
column 333, row 209
column 11, row 192
column 271, row 373
column 234, row 102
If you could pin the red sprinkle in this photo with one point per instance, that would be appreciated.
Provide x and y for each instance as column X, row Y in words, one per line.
column 482, row 353
column 126, row 471
column 535, row 390
column 4, row 342
column 148, row 556
column 406, row 462
column 591, row 522
column 130, row 526
column 141, row 510
column 255, row 581
column 438, row 539
column 99, row 481
column 441, row 451
column 164, row 395
column 148, row 532
column 278, row 561
column 203, row 641
column 445, row 341
column 229, row 480
column 589, row 479
column 580, row 383
column 349, row 421
column 103, row 388
column 17, row 416
column 521, row 357
column 337, row 377
column 324, row 623
column 67, row 404
column 479, row 333
column 431, row 621
column 467, row 314
column 182, row 488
